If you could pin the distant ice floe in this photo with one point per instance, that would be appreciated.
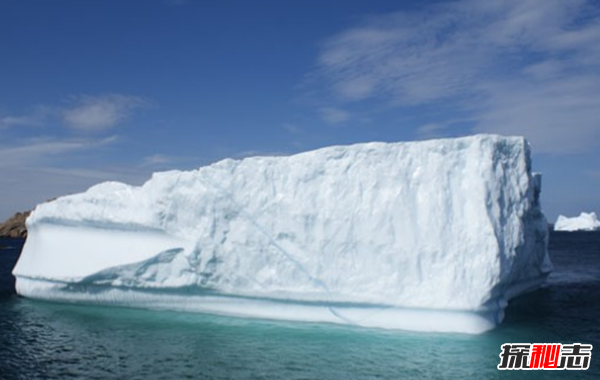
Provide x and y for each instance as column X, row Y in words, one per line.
column 583, row 222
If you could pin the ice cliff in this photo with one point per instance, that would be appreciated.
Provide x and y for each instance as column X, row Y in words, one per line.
column 583, row 222
column 435, row 235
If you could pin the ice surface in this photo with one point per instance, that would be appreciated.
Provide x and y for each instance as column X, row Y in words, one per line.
column 583, row 222
column 435, row 235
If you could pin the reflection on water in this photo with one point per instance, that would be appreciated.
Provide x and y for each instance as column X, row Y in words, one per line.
column 61, row 340
column 46, row 340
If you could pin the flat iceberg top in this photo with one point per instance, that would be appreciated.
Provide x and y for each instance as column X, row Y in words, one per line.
column 451, row 224
column 583, row 222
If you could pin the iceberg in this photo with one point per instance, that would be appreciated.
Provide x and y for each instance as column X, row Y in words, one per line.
column 430, row 236
column 583, row 222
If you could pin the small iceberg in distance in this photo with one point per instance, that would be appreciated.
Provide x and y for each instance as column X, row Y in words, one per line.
column 430, row 236
column 583, row 222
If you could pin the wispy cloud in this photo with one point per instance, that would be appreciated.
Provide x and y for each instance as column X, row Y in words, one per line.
column 38, row 117
column 292, row 128
column 11, row 121
column 36, row 169
column 37, row 151
column 527, row 67
column 24, row 187
column 97, row 113
column 431, row 130
column 260, row 153
column 58, row 162
column 332, row 115
column 88, row 113
column 158, row 159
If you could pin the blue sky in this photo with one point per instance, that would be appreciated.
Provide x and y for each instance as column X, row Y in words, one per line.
column 114, row 90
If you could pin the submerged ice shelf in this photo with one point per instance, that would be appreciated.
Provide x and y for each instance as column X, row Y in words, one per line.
column 435, row 235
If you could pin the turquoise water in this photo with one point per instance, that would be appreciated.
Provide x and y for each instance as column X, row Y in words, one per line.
column 46, row 340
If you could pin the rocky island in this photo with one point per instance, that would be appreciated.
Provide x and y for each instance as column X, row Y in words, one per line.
column 14, row 227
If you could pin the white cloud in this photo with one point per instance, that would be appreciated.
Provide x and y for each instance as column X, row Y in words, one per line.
column 37, row 152
column 527, row 67
column 260, row 153
column 34, row 170
column 157, row 160
column 11, row 121
column 333, row 115
column 98, row 113
column 38, row 117
column 24, row 187
column 431, row 130
column 85, row 113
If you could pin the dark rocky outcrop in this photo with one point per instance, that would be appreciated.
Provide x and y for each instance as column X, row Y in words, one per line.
column 14, row 227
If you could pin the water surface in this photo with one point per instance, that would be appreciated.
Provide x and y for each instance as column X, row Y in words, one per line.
column 40, row 340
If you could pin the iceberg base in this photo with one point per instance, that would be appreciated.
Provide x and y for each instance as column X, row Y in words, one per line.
column 190, row 300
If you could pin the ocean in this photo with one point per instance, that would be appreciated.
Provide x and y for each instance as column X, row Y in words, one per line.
column 40, row 340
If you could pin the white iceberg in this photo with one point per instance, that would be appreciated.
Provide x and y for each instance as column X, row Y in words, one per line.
column 583, row 222
column 435, row 235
